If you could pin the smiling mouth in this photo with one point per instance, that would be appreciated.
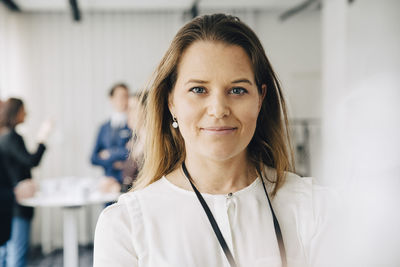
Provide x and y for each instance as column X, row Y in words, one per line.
column 218, row 130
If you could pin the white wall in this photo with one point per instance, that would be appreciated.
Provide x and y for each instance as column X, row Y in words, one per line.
column 361, row 129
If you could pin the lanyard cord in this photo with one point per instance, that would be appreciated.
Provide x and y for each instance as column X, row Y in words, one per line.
column 213, row 223
column 218, row 233
column 278, row 232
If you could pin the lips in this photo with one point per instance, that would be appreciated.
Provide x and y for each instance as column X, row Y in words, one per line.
column 219, row 130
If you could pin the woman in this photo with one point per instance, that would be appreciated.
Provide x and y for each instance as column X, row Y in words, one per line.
column 215, row 188
column 19, row 162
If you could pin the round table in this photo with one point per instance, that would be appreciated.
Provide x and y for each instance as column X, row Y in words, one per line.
column 70, row 194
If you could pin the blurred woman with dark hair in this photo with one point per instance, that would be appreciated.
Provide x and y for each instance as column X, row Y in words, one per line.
column 19, row 162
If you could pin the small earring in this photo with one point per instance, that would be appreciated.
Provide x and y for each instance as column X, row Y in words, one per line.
column 175, row 123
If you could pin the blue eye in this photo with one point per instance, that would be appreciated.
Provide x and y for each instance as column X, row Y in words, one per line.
column 238, row 91
column 198, row 90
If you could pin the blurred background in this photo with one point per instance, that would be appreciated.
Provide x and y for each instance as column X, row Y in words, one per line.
column 338, row 61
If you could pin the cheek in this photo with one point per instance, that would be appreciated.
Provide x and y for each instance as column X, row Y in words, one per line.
column 248, row 112
column 188, row 118
column 184, row 111
column 252, row 119
column 249, row 120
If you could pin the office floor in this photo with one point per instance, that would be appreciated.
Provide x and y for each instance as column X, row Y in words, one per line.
column 55, row 259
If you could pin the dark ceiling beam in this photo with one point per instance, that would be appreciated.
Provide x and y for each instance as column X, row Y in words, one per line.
column 11, row 5
column 297, row 9
column 76, row 13
column 302, row 6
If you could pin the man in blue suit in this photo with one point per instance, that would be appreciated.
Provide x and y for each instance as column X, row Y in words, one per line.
column 111, row 150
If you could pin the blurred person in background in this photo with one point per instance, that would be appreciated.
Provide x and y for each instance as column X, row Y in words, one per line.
column 6, row 208
column 136, row 120
column 7, row 199
column 110, row 150
column 19, row 163
column 217, row 144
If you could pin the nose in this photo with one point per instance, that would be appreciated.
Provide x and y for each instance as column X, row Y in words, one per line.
column 218, row 106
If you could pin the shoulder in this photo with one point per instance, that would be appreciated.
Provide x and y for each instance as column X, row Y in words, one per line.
column 294, row 181
column 307, row 195
column 305, row 199
column 297, row 188
column 151, row 193
column 120, row 214
column 125, row 218
column 120, row 236
column 305, row 207
column 306, row 189
column 128, row 210
column 120, row 221
column 118, row 233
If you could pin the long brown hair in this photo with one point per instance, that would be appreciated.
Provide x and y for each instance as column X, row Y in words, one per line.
column 165, row 149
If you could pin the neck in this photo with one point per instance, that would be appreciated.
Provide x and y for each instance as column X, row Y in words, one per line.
column 220, row 177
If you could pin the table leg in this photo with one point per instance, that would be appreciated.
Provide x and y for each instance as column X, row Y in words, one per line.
column 46, row 230
column 71, row 257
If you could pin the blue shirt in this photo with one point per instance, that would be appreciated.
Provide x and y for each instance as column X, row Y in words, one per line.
column 113, row 140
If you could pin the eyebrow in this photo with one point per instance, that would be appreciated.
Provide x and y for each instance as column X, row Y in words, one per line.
column 242, row 81
column 196, row 81
column 235, row 81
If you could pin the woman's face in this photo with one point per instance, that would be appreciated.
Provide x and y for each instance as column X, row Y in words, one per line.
column 215, row 100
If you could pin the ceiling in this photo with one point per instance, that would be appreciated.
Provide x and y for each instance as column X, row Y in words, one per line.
column 140, row 5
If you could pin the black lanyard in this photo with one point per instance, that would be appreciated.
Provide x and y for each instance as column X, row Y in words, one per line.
column 218, row 233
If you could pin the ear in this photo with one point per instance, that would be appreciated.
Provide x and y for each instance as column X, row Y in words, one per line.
column 262, row 95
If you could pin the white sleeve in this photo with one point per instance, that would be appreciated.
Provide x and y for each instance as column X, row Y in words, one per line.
column 113, row 241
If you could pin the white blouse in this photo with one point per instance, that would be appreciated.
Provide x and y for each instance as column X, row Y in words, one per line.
column 165, row 225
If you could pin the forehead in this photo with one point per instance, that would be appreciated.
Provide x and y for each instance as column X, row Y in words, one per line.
column 215, row 58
